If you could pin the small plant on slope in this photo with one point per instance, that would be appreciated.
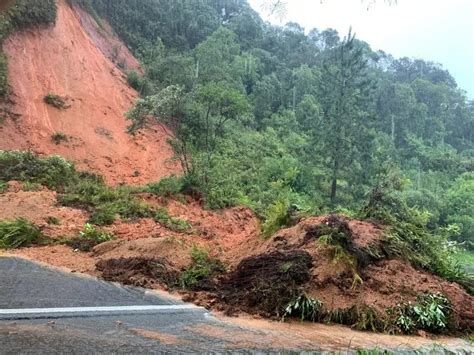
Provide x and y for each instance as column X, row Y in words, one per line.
column 59, row 137
column 89, row 237
column 203, row 267
column 55, row 101
column 18, row 233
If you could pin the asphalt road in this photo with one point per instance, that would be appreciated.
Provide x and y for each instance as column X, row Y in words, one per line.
column 45, row 311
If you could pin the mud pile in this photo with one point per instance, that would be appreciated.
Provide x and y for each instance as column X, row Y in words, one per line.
column 141, row 272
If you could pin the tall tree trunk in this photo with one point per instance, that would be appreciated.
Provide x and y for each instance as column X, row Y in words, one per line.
column 335, row 172
column 393, row 128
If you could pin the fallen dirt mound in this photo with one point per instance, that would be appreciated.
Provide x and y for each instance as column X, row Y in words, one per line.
column 265, row 283
column 347, row 271
column 142, row 272
column 68, row 60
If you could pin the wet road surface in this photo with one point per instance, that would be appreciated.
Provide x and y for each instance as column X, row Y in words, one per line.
column 45, row 311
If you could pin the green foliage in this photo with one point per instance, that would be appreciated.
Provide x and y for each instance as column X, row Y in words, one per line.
column 408, row 236
column 89, row 237
column 202, row 268
column 167, row 186
column 431, row 312
column 175, row 224
column 3, row 75
column 105, row 203
column 56, row 101
column 59, row 137
column 19, row 233
column 53, row 172
column 138, row 82
column 460, row 201
column 304, row 307
column 277, row 218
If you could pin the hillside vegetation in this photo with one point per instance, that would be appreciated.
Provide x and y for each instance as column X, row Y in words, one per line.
column 271, row 116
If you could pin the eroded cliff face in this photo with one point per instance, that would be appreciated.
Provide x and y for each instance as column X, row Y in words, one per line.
column 75, row 60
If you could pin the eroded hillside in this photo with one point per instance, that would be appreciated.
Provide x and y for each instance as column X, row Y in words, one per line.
column 71, row 60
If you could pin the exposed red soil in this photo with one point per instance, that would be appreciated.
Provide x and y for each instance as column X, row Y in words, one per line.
column 37, row 206
column 68, row 60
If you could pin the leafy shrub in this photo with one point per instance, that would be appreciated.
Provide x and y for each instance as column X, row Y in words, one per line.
column 18, row 233
column 277, row 217
column 56, row 101
column 29, row 13
column 203, row 267
column 304, row 307
column 175, row 224
column 167, row 186
column 59, row 137
column 89, row 237
column 53, row 172
column 408, row 237
column 431, row 313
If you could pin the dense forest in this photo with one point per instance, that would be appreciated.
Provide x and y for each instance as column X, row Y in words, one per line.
column 272, row 117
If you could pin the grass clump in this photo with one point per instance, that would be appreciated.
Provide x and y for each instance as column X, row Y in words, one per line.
column 89, row 237
column 167, row 186
column 55, row 101
column 59, row 137
column 304, row 307
column 202, row 268
column 277, row 217
column 19, row 233
column 175, row 224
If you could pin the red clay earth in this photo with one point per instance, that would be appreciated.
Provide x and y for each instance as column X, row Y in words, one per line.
column 68, row 60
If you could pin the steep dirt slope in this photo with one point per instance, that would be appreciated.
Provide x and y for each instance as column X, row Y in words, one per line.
column 66, row 61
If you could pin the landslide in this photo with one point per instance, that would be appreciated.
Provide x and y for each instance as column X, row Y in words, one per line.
column 78, row 60
column 343, row 263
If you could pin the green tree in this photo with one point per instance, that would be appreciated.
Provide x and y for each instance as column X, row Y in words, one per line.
column 345, row 88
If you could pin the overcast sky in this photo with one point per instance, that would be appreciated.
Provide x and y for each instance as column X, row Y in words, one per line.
column 437, row 30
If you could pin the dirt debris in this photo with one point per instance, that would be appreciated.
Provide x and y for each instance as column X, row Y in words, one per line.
column 141, row 272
